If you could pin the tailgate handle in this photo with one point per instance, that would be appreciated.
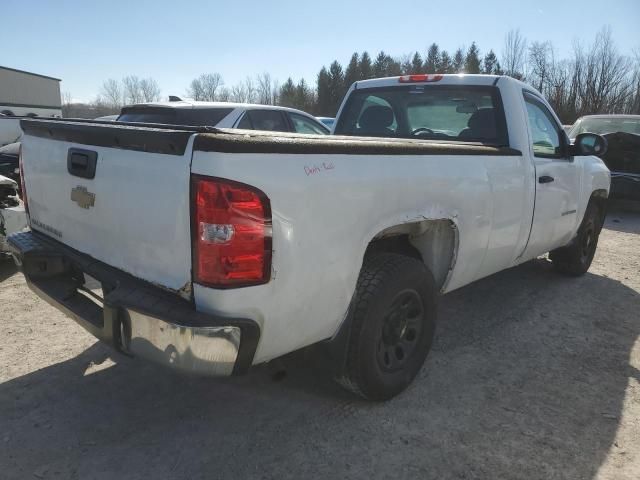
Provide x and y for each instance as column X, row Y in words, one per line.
column 82, row 163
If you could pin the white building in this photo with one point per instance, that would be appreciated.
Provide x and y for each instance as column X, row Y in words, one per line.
column 29, row 94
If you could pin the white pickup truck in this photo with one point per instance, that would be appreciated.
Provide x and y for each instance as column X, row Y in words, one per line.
column 215, row 250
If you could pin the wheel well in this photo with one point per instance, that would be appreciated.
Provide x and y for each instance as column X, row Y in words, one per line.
column 434, row 242
column 395, row 244
column 600, row 199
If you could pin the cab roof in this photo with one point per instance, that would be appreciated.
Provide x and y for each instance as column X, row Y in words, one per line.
column 438, row 79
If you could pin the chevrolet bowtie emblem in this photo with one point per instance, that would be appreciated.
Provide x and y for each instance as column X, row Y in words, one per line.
column 82, row 197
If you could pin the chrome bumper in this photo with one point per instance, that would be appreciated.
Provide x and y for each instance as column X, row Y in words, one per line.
column 202, row 350
column 133, row 316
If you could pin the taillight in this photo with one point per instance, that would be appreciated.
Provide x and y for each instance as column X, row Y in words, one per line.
column 231, row 233
column 23, row 190
column 420, row 78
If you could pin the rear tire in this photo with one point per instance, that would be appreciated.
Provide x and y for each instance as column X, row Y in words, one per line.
column 393, row 318
column 575, row 259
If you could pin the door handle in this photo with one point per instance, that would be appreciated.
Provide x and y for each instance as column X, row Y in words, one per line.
column 545, row 179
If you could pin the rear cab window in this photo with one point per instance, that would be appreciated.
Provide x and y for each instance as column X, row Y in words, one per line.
column 451, row 113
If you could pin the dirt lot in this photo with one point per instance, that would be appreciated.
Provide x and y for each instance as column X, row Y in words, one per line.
column 533, row 375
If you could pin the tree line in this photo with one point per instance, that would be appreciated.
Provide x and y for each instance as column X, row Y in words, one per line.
column 592, row 79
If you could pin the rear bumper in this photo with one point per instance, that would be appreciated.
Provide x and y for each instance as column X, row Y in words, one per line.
column 132, row 315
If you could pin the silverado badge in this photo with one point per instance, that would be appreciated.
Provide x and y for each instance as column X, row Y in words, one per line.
column 83, row 197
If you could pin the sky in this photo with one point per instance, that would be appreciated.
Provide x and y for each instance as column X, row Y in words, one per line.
column 87, row 42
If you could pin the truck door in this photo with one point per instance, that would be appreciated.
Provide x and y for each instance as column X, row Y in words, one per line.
column 557, row 180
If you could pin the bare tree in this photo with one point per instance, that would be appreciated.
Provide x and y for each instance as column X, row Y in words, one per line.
column 275, row 92
column 605, row 84
column 249, row 91
column 633, row 105
column 238, row 93
column 132, row 89
column 149, row 90
column 195, row 89
column 205, row 87
column 111, row 94
column 540, row 65
column 211, row 82
column 514, row 54
column 66, row 99
column 265, row 92
column 223, row 95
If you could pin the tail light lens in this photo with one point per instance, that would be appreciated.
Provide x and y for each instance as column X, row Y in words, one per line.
column 23, row 190
column 231, row 233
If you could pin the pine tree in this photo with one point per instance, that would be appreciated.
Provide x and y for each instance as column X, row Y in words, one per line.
column 472, row 59
column 366, row 69
column 445, row 64
column 336, row 87
column 324, row 93
column 416, row 64
column 303, row 96
column 458, row 62
column 287, row 96
column 352, row 73
column 394, row 67
column 433, row 59
column 405, row 67
column 490, row 64
column 381, row 65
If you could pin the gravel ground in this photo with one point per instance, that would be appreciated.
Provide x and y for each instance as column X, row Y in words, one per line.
column 533, row 375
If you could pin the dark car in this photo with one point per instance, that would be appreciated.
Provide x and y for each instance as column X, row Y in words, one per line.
column 623, row 154
column 9, row 161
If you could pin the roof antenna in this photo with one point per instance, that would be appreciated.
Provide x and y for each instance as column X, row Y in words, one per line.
column 173, row 98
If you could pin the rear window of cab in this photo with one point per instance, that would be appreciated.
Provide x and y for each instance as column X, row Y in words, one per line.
column 458, row 113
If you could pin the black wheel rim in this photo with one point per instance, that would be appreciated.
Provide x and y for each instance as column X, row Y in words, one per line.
column 401, row 330
column 588, row 243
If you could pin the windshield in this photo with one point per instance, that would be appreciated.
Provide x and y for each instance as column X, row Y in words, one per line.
column 175, row 116
column 461, row 113
column 602, row 125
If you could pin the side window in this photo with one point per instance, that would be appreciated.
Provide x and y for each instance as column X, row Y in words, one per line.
column 270, row 120
column 301, row 124
column 543, row 129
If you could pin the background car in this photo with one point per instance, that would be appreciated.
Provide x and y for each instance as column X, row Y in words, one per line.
column 108, row 118
column 328, row 121
column 603, row 124
column 9, row 161
column 623, row 154
column 225, row 115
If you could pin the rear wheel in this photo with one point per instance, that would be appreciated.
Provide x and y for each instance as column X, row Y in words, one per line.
column 392, row 325
column 575, row 259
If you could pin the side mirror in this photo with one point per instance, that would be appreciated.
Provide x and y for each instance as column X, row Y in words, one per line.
column 589, row 144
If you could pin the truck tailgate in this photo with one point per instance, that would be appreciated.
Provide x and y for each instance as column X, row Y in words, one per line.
column 133, row 214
